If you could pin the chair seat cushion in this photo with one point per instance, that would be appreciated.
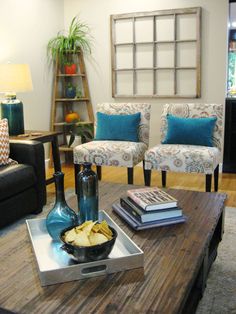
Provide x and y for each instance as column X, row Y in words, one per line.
column 182, row 158
column 110, row 153
column 15, row 179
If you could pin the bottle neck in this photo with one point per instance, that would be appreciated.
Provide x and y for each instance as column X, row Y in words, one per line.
column 87, row 166
column 59, row 184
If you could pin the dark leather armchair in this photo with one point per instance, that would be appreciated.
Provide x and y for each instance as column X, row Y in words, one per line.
column 22, row 186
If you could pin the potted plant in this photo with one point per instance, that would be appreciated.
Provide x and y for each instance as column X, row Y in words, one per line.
column 71, row 119
column 79, row 134
column 70, row 90
column 70, row 68
column 73, row 139
column 65, row 44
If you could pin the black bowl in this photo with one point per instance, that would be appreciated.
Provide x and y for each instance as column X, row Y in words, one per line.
column 84, row 254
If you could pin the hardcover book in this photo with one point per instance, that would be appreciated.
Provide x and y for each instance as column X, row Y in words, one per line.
column 146, row 216
column 137, row 225
column 152, row 198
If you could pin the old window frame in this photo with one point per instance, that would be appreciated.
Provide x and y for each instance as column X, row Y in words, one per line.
column 134, row 70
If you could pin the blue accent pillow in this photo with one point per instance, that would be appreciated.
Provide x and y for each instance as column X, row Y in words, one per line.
column 192, row 131
column 118, row 127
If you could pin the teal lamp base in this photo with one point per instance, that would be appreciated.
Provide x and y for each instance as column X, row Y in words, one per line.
column 12, row 110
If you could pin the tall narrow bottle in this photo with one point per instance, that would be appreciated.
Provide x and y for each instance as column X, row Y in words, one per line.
column 87, row 182
column 61, row 215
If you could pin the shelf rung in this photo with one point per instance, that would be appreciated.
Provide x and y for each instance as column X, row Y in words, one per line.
column 65, row 148
column 68, row 124
column 71, row 75
column 71, row 99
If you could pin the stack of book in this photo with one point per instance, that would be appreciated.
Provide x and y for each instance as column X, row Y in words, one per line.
column 148, row 208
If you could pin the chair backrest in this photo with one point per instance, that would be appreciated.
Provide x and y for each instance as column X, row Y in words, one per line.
column 196, row 110
column 130, row 108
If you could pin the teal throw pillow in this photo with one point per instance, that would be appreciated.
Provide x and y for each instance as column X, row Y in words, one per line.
column 189, row 131
column 117, row 127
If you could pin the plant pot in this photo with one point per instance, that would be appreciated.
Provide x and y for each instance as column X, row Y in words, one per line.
column 70, row 92
column 77, row 141
column 70, row 69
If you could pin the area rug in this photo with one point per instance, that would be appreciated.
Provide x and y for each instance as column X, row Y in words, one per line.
column 220, row 293
column 50, row 202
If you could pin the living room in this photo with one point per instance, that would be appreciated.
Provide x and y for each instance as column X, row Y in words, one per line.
column 26, row 28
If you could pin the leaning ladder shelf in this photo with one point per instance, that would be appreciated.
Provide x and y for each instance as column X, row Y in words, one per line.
column 61, row 105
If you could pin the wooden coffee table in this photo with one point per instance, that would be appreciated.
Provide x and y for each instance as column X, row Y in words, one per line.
column 177, row 260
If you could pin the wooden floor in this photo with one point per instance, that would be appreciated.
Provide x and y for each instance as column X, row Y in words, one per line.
column 227, row 182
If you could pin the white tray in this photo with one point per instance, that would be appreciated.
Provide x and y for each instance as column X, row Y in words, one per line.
column 56, row 266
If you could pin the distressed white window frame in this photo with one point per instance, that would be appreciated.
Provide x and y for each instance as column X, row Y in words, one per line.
column 181, row 77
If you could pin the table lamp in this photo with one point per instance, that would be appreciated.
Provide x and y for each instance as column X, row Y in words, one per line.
column 14, row 78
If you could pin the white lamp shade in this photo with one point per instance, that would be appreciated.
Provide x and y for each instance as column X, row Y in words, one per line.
column 15, row 78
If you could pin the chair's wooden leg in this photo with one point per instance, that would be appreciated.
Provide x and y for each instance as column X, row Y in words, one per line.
column 99, row 172
column 163, row 178
column 208, row 182
column 130, row 172
column 147, row 175
column 77, row 168
column 216, row 178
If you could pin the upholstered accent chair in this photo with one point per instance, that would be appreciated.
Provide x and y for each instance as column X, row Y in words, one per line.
column 187, row 158
column 116, row 152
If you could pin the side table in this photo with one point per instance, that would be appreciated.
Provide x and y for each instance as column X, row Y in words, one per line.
column 44, row 137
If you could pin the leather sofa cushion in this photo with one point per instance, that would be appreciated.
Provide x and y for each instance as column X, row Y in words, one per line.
column 15, row 179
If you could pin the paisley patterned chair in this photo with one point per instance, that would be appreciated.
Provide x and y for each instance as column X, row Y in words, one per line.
column 116, row 153
column 187, row 158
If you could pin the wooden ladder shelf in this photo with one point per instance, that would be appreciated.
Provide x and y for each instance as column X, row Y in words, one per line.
column 62, row 103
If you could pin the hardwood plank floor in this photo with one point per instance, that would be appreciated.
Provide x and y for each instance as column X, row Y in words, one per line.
column 227, row 182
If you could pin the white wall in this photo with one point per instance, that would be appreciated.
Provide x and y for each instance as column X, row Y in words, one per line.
column 97, row 13
column 27, row 25
column 25, row 28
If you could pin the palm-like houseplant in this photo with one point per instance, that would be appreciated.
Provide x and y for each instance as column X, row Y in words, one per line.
column 85, row 131
column 65, row 44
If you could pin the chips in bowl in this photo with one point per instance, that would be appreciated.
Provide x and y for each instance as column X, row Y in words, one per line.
column 89, row 233
column 90, row 241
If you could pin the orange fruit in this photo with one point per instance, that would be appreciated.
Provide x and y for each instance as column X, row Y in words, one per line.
column 72, row 117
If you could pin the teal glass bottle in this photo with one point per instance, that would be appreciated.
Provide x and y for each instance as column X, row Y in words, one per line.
column 61, row 215
column 87, row 182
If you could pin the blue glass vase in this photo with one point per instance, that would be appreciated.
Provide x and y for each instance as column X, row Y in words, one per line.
column 61, row 215
column 87, row 194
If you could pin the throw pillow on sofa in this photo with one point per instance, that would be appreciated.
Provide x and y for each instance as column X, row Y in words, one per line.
column 4, row 144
